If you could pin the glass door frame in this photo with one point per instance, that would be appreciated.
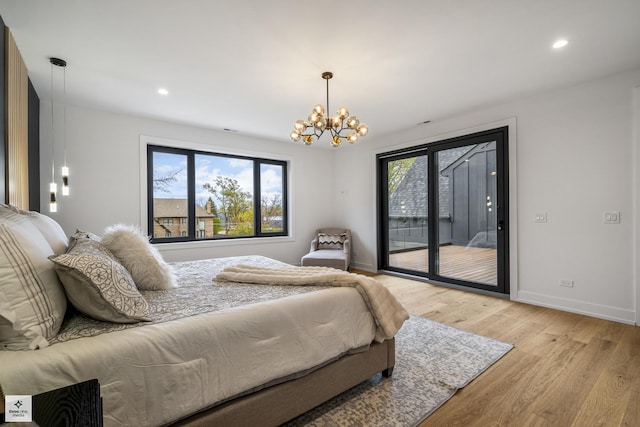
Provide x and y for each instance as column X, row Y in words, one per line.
column 500, row 135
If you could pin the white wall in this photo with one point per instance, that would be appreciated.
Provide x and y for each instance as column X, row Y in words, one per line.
column 574, row 160
column 636, row 197
column 103, row 153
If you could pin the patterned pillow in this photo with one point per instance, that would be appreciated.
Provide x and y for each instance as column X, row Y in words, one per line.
column 82, row 235
column 32, row 300
column 331, row 241
column 98, row 285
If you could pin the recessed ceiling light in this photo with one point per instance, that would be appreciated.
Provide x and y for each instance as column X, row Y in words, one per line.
column 560, row 43
column 163, row 91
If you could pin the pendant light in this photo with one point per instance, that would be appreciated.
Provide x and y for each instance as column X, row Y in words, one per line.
column 53, row 186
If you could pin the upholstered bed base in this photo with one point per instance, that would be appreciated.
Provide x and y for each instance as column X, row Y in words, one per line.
column 280, row 403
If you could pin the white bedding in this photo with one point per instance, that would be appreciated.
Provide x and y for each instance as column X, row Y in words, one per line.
column 159, row 373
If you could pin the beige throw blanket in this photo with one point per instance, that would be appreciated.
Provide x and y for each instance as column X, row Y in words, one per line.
column 388, row 313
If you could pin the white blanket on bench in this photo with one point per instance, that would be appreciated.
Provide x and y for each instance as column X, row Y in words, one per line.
column 387, row 312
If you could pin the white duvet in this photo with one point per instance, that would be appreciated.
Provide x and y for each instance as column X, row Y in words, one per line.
column 157, row 374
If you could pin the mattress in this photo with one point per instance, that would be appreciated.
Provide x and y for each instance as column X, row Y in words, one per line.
column 181, row 363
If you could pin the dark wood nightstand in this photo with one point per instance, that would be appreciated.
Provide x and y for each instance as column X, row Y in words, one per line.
column 75, row 405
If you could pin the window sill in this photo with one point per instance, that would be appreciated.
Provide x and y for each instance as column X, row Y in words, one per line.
column 204, row 244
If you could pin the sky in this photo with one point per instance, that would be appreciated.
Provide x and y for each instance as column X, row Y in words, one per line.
column 207, row 168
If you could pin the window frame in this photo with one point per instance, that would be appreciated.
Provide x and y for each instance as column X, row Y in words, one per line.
column 501, row 134
column 151, row 147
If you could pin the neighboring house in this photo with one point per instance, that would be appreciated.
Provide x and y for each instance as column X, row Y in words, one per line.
column 471, row 193
column 171, row 219
column 408, row 205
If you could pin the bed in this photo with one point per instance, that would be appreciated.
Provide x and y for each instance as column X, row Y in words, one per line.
column 211, row 350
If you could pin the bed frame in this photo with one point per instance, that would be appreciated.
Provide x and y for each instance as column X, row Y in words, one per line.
column 280, row 403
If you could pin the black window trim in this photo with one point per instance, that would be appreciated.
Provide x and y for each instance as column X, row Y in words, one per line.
column 191, row 191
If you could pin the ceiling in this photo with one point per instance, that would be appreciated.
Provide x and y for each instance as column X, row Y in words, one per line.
column 255, row 66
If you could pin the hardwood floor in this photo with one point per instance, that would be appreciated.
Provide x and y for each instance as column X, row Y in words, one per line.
column 565, row 369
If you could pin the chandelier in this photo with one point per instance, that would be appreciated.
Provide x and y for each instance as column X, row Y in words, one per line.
column 318, row 122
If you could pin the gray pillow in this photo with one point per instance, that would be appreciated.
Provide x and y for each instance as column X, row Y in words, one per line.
column 98, row 285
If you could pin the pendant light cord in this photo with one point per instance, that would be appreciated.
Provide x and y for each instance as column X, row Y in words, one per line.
column 53, row 169
column 64, row 112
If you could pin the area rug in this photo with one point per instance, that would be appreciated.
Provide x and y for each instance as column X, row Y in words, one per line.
column 433, row 361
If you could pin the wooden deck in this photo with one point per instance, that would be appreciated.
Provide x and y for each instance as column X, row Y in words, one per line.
column 460, row 262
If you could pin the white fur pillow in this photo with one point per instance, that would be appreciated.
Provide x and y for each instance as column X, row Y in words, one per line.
column 145, row 264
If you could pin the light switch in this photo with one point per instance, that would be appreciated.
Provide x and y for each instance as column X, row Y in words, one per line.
column 612, row 217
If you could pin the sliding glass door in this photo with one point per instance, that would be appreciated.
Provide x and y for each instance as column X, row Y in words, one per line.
column 443, row 211
column 407, row 225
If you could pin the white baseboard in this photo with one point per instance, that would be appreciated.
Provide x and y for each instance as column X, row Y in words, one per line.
column 364, row 266
column 580, row 307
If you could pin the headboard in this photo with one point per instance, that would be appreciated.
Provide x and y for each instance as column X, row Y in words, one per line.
column 19, row 129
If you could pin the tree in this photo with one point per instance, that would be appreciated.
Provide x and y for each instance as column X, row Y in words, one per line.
column 216, row 218
column 163, row 183
column 270, row 208
column 397, row 171
column 234, row 203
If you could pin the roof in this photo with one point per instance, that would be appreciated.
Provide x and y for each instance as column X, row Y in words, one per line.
column 175, row 208
column 408, row 200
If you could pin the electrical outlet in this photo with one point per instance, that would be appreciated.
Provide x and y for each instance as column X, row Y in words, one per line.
column 612, row 217
column 566, row 283
column 541, row 217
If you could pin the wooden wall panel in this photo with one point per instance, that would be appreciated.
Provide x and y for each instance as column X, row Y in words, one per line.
column 3, row 116
column 17, row 126
column 34, row 149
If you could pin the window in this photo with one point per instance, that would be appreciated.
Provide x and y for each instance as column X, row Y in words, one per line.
column 198, row 195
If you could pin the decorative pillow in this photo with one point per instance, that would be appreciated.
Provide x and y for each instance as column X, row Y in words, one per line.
column 48, row 227
column 32, row 300
column 331, row 241
column 81, row 234
column 8, row 209
column 98, row 285
column 132, row 248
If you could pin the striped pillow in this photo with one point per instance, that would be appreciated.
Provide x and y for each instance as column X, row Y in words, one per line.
column 331, row 241
column 32, row 300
